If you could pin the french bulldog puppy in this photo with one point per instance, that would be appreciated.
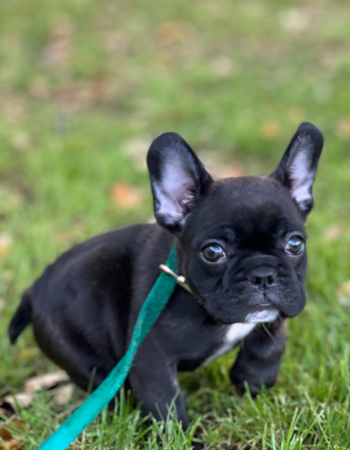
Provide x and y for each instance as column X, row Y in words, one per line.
column 240, row 244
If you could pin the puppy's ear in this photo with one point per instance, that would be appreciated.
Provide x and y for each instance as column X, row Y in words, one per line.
column 178, row 179
column 297, row 169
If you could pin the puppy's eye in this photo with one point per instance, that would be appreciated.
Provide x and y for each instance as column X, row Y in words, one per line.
column 295, row 245
column 213, row 253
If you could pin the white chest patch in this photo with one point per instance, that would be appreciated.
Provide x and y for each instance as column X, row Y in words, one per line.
column 234, row 334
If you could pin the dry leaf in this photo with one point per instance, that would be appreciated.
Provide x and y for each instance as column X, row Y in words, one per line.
column 343, row 294
column 334, row 232
column 295, row 115
column 343, row 127
column 126, row 196
column 221, row 169
column 5, row 245
column 63, row 394
column 46, row 381
column 170, row 32
column 23, row 399
column 295, row 20
column 57, row 53
column 39, row 88
column 35, row 384
column 137, row 149
column 8, row 441
column 26, row 354
column 222, row 66
column 270, row 129
column 21, row 141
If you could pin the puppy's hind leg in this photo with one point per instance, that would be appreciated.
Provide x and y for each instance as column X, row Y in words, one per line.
column 259, row 358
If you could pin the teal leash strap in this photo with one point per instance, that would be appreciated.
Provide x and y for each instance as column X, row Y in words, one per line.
column 93, row 406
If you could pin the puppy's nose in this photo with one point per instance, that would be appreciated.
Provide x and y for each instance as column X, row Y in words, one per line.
column 262, row 277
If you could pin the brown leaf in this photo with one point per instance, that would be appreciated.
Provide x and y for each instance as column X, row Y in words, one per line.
column 221, row 169
column 63, row 394
column 334, row 232
column 295, row 20
column 8, row 440
column 46, row 381
column 343, row 294
column 5, row 245
column 58, row 51
column 295, row 115
column 26, row 354
column 35, row 384
column 39, row 88
column 222, row 66
column 23, row 399
column 21, row 141
column 270, row 129
column 137, row 149
column 343, row 127
column 170, row 32
column 126, row 196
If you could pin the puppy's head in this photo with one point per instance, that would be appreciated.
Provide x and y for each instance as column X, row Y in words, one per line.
column 242, row 240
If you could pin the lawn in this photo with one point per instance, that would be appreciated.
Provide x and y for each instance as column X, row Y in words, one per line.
column 85, row 85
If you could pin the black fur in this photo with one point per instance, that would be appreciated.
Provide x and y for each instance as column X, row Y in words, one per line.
column 84, row 306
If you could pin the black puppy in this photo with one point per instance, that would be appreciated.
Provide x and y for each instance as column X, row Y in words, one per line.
column 240, row 244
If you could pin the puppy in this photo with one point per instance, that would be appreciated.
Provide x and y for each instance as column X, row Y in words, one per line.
column 240, row 244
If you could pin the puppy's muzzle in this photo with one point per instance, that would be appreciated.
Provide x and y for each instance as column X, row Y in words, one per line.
column 262, row 277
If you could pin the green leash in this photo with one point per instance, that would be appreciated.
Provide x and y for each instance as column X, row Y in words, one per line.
column 91, row 408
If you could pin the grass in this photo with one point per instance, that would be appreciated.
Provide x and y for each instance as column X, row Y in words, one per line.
column 84, row 87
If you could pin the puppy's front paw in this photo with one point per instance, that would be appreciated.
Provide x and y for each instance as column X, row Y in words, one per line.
column 247, row 381
column 243, row 386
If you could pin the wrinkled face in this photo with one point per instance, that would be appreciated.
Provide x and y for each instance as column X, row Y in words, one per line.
column 243, row 252
column 241, row 240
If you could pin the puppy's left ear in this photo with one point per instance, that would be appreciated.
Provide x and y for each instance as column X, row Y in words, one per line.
column 178, row 180
column 297, row 169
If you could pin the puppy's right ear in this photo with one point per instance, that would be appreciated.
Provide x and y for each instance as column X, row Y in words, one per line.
column 178, row 179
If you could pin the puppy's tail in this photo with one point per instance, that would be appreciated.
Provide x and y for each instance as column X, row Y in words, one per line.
column 22, row 317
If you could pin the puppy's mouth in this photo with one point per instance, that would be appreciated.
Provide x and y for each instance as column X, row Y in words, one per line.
column 265, row 315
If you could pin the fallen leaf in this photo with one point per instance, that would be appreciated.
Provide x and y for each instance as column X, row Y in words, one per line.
column 170, row 32
column 222, row 66
column 58, row 51
column 343, row 294
column 270, row 129
column 295, row 115
column 23, row 399
column 221, row 169
column 39, row 88
column 334, row 232
column 6, row 411
column 5, row 245
column 137, row 149
column 46, row 381
column 295, row 20
column 32, row 385
column 63, row 394
column 343, row 127
column 8, row 440
column 26, row 354
column 21, row 141
column 125, row 195
column 80, row 96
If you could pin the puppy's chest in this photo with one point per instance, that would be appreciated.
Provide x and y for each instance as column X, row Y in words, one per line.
column 233, row 334
column 204, row 345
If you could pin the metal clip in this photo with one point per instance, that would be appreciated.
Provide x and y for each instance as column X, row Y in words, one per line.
column 179, row 278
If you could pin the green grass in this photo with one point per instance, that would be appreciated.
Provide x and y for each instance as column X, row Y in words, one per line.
column 81, row 83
